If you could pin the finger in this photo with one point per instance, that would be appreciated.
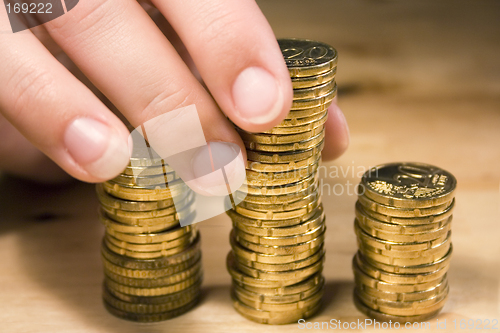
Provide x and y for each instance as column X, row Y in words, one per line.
column 238, row 57
column 119, row 48
column 336, row 134
column 20, row 158
column 57, row 113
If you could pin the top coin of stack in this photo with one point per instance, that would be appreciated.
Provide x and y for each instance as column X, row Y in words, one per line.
column 152, row 265
column 403, row 228
column 279, row 227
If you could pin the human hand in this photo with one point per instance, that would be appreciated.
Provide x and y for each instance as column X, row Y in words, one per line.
column 144, row 71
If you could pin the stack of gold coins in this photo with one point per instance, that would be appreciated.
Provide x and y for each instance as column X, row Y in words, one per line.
column 279, row 227
column 403, row 228
column 152, row 265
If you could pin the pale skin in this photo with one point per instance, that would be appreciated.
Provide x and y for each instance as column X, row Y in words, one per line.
column 63, row 82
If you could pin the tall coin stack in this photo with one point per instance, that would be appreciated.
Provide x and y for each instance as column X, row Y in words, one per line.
column 152, row 265
column 403, row 228
column 279, row 228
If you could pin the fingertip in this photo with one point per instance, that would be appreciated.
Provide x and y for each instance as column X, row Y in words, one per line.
column 261, row 100
column 337, row 136
column 99, row 149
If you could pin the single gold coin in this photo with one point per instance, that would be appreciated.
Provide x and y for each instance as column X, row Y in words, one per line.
column 388, row 258
column 431, row 219
column 281, row 167
column 308, row 112
column 280, row 240
column 134, row 219
column 386, row 317
column 193, row 290
column 299, row 125
column 399, row 229
column 152, row 238
column 408, row 185
column 249, row 221
column 385, row 245
column 144, row 255
column 264, row 258
column 129, row 205
column 282, row 189
column 156, row 282
column 151, row 273
column 137, row 215
column 403, row 212
column 301, row 273
column 147, row 308
column 325, row 99
column 361, row 278
column 315, row 80
column 149, row 318
column 273, row 317
column 175, row 188
column 142, row 171
column 280, row 207
column 404, row 297
column 297, row 288
column 144, row 181
column 145, row 157
column 419, row 269
column 166, row 246
column 398, row 278
column 275, row 199
column 240, row 277
column 284, row 157
column 407, row 237
column 270, row 215
column 137, row 229
column 307, row 57
column 158, row 291
column 280, row 307
column 282, row 250
column 311, row 224
column 279, row 178
column 313, row 92
column 146, row 264
column 404, row 308
column 278, row 139
column 282, row 267
column 439, row 248
column 308, row 143
column 241, row 292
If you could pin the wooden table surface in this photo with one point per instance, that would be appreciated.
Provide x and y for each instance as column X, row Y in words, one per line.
column 419, row 81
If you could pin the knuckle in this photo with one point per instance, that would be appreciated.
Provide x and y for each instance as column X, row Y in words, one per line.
column 166, row 100
column 30, row 88
column 218, row 23
column 96, row 19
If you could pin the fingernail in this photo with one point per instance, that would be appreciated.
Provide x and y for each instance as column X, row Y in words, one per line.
column 96, row 148
column 218, row 169
column 257, row 97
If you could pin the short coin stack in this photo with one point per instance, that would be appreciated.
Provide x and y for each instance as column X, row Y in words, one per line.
column 279, row 228
column 403, row 228
column 152, row 265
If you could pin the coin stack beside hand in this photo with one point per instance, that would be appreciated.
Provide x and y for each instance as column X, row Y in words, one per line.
column 279, row 227
column 403, row 228
column 152, row 265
